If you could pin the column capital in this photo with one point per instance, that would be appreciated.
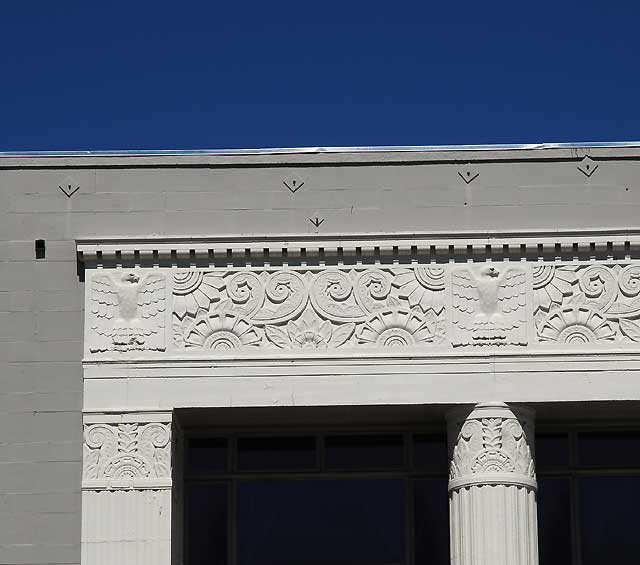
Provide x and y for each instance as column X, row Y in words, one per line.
column 491, row 443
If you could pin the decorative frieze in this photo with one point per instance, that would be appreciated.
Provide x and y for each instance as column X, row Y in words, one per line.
column 578, row 304
column 434, row 307
column 296, row 309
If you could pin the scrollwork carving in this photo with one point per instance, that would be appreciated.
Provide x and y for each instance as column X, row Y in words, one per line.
column 491, row 304
column 588, row 304
column 372, row 289
column 491, row 441
column 332, row 297
column 286, row 296
column 599, row 286
column 126, row 452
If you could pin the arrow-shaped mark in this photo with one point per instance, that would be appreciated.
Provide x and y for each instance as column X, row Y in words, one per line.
column 70, row 191
column 316, row 221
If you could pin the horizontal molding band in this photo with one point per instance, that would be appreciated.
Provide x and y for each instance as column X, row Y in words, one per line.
column 494, row 479
column 335, row 248
column 136, row 484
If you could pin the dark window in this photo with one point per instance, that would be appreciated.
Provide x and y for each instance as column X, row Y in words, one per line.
column 361, row 452
column 431, row 522
column 354, row 521
column 429, row 452
column 608, row 520
column 610, row 449
column 552, row 450
column 554, row 521
column 207, row 523
column 276, row 453
column 588, row 497
column 348, row 499
column 207, row 455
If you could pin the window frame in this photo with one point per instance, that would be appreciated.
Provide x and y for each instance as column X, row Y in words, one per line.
column 408, row 473
column 573, row 470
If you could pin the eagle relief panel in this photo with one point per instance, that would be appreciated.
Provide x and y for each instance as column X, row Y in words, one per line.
column 435, row 307
column 127, row 311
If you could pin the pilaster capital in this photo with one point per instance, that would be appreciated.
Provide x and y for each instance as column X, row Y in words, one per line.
column 491, row 443
column 127, row 452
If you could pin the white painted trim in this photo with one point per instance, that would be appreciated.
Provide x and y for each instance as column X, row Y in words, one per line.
column 448, row 246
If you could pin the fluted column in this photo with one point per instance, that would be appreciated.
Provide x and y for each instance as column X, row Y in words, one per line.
column 492, row 486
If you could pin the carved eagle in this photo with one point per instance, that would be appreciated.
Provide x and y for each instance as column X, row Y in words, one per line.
column 127, row 310
column 489, row 306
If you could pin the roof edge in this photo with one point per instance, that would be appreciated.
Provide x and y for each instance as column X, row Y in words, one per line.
column 323, row 150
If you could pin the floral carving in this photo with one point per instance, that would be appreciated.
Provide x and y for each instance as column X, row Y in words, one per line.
column 221, row 330
column 491, row 441
column 125, row 452
column 591, row 304
column 127, row 312
column 576, row 324
column 307, row 309
column 300, row 308
column 551, row 285
column 194, row 291
column 422, row 286
column 309, row 332
column 399, row 327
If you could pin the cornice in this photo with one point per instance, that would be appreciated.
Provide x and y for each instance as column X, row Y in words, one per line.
column 300, row 249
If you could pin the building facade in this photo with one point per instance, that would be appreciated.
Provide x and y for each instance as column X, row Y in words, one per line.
column 411, row 356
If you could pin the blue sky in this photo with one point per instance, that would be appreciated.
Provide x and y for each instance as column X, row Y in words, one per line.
column 194, row 75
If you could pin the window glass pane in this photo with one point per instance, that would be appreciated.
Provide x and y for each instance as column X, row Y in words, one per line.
column 320, row 522
column 206, row 532
column 207, row 455
column 276, row 453
column 609, row 520
column 430, row 453
column 552, row 450
column 366, row 451
column 609, row 448
column 554, row 521
column 431, row 523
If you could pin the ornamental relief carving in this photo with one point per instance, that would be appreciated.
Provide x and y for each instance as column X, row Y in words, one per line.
column 133, row 451
column 297, row 309
column 459, row 307
column 578, row 304
column 127, row 311
column 492, row 445
column 489, row 306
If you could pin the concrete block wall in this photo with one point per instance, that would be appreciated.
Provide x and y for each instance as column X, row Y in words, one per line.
column 41, row 300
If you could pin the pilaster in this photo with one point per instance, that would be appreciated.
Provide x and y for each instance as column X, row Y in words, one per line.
column 127, row 489
column 492, row 486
